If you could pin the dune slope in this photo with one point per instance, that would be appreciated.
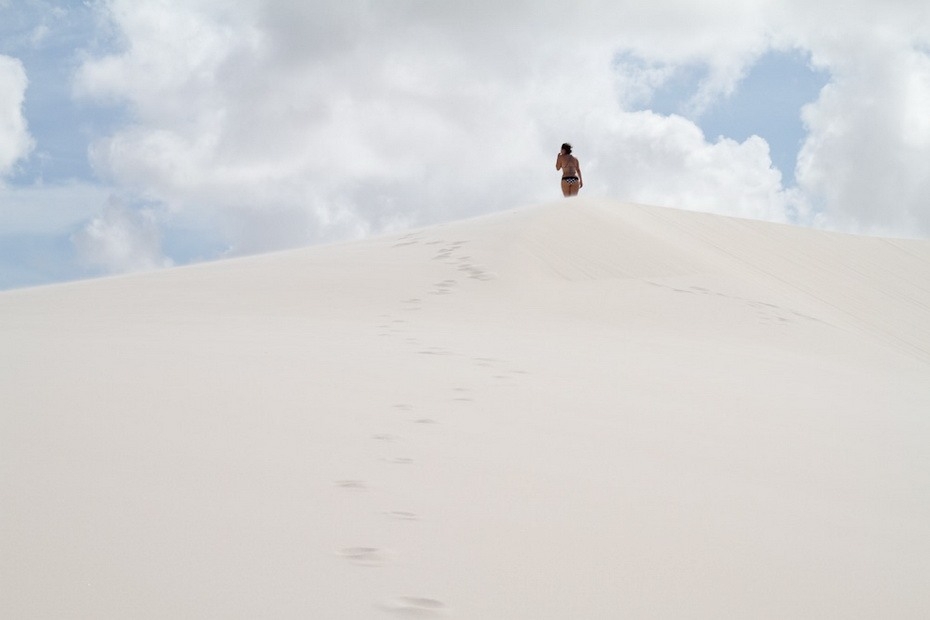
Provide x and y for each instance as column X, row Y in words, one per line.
column 576, row 410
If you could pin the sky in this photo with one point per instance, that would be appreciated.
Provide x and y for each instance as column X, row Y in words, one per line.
column 142, row 134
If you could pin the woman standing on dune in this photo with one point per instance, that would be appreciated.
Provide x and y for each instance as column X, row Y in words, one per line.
column 571, row 171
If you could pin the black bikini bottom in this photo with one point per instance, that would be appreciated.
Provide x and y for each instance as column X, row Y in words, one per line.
column 570, row 180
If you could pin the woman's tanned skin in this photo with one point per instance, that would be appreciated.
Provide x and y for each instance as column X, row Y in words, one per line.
column 571, row 169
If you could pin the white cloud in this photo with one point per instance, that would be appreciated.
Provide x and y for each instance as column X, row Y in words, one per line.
column 121, row 240
column 865, row 158
column 15, row 141
column 725, row 177
column 295, row 122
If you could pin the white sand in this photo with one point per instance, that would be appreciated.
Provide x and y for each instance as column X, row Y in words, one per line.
column 580, row 410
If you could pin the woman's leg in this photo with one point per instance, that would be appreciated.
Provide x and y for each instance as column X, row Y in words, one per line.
column 573, row 189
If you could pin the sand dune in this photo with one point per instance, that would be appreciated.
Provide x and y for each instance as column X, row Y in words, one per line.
column 576, row 410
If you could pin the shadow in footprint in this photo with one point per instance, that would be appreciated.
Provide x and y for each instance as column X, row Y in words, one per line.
column 352, row 485
column 415, row 607
column 364, row 556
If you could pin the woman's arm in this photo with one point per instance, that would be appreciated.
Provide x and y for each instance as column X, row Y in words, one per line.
column 558, row 162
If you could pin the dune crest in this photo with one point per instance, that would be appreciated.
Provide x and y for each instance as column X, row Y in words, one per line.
column 576, row 410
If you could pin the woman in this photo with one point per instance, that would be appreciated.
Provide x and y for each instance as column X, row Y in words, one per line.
column 571, row 171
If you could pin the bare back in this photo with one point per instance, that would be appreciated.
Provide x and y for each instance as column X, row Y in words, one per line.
column 568, row 164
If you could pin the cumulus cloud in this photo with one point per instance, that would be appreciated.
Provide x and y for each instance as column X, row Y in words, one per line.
column 121, row 240
column 865, row 158
column 725, row 177
column 296, row 122
column 15, row 140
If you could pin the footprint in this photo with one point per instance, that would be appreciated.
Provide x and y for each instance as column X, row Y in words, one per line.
column 424, row 421
column 411, row 239
column 475, row 272
column 354, row 485
column 385, row 437
column 435, row 351
column 415, row 607
column 443, row 288
column 364, row 556
column 399, row 460
column 402, row 515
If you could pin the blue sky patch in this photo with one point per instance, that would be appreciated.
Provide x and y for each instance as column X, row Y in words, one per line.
column 51, row 44
column 766, row 103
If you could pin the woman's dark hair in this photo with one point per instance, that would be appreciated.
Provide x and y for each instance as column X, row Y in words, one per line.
column 567, row 148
